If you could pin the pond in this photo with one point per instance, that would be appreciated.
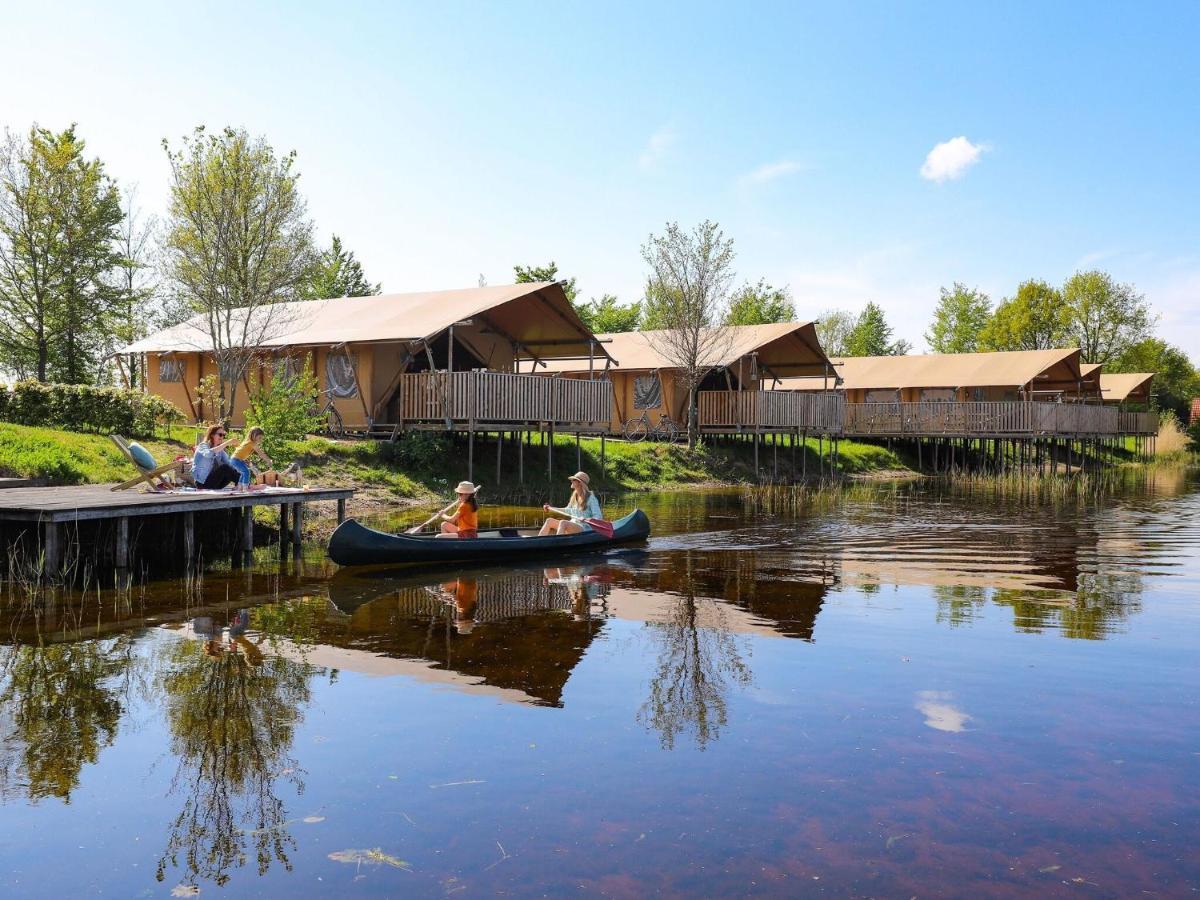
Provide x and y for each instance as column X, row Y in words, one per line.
column 905, row 689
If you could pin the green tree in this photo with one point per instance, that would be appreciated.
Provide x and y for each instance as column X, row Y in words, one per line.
column 138, row 308
column 604, row 315
column 1035, row 318
column 961, row 314
column 1107, row 318
column 687, row 293
column 872, row 335
column 284, row 407
column 760, row 304
column 548, row 272
column 238, row 245
column 336, row 273
column 59, row 214
column 1176, row 380
column 834, row 328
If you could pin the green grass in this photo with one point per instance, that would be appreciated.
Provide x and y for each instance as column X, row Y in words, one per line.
column 67, row 457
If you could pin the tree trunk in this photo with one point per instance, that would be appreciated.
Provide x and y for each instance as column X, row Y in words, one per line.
column 693, row 419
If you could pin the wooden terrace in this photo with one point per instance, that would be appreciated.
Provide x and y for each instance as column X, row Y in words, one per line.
column 994, row 419
column 738, row 412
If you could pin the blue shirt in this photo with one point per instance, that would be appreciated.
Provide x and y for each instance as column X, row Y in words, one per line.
column 205, row 460
column 590, row 509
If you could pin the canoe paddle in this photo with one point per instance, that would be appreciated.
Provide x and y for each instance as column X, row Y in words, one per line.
column 435, row 516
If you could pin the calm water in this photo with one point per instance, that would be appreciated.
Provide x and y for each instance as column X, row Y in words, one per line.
column 905, row 692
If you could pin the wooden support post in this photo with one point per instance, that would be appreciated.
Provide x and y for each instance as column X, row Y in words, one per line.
column 919, row 464
column 755, row 439
column 341, row 510
column 297, row 525
column 550, row 454
column 804, row 455
column 603, row 461
column 284, row 531
column 578, row 454
column 247, row 530
column 51, row 549
column 499, row 445
column 521, row 439
column 471, row 451
column 121, row 543
column 775, row 457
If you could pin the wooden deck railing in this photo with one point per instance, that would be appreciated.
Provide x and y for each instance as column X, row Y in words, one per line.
column 499, row 398
column 771, row 409
column 1137, row 422
column 982, row 418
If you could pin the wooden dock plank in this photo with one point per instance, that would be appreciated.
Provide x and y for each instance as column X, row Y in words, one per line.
column 89, row 502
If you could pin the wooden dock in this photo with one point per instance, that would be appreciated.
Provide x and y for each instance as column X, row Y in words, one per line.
column 44, row 512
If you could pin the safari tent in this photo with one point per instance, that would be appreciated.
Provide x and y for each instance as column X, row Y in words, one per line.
column 457, row 359
column 754, row 360
column 1127, row 389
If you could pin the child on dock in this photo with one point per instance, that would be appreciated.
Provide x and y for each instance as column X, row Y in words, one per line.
column 251, row 446
column 465, row 521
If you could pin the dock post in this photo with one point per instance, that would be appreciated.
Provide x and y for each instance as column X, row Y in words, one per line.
column 804, row 456
column 471, row 452
column 297, row 516
column 121, row 543
column 603, row 461
column 51, row 549
column 284, row 532
column 341, row 507
column 499, row 448
column 521, row 438
column 578, row 453
column 248, row 530
column 189, row 537
column 550, row 455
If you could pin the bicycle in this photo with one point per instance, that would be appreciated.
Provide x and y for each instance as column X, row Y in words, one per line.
column 335, row 426
column 640, row 428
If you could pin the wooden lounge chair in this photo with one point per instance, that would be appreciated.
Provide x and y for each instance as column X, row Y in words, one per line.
column 153, row 476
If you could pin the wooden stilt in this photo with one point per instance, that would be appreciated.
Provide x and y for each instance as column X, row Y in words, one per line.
column 522, row 437
column 285, row 533
column 499, row 448
column 248, row 530
column 603, row 460
column 51, row 549
column 121, row 543
column 189, row 537
column 471, row 452
column 341, row 510
column 297, row 526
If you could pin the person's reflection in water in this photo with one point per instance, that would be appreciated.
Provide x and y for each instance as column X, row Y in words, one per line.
column 583, row 586
column 465, row 594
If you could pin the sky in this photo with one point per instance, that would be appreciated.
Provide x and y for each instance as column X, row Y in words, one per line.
column 854, row 152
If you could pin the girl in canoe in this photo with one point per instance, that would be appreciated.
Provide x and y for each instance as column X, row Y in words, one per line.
column 465, row 521
column 583, row 505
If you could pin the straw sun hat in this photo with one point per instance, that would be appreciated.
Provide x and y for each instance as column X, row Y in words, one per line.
column 465, row 487
column 583, row 477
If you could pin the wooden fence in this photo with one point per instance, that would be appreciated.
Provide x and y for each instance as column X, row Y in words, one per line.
column 500, row 398
column 990, row 418
column 815, row 412
column 1137, row 422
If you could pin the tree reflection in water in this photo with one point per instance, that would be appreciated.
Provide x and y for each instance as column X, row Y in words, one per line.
column 232, row 725
column 59, row 707
column 698, row 661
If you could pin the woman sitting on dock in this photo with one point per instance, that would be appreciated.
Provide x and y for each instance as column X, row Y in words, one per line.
column 465, row 521
column 583, row 505
column 211, row 467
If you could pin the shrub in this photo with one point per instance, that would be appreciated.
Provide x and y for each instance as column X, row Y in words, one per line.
column 284, row 408
column 77, row 407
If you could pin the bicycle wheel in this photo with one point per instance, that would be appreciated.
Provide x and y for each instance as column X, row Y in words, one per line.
column 635, row 430
column 670, row 431
column 336, row 426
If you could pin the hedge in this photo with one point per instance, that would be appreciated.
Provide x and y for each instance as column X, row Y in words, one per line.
column 80, row 407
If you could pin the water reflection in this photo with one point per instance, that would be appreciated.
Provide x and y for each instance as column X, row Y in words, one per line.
column 232, row 714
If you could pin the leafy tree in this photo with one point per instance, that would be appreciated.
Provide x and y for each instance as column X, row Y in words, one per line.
column 238, row 245
column 760, row 304
column 59, row 214
column 834, row 327
column 1035, row 318
column 961, row 314
column 872, row 335
column 336, row 273
column 1176, row 380
column 137, row 309
column 1107, row 318
column 548, row 272
column 604, row 315
column 687, row 295
column 284, row 408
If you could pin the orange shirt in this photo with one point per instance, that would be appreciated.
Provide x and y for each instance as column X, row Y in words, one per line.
column 466, row 519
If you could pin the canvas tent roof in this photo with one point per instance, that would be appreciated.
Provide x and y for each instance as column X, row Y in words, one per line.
column 537, row 314
column 1118, row 387
column 785, row 348
column 1016, row 368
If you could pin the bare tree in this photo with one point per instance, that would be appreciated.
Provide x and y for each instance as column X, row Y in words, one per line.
column 238, row 245
column 137, row 310
column 686, row 298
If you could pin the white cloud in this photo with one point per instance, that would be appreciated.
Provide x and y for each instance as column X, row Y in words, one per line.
column 656, row 148
column 939, row 713
column 951, row 159
column 769, row 172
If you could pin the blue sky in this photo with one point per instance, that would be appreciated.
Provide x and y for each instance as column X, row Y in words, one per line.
column 444, row 143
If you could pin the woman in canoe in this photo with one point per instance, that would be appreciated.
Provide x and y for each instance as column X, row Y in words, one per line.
column 582, row 506
column 465, row 521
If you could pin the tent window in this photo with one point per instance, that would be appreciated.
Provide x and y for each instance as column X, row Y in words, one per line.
column 171, row 370
column 288, row 368
column 339, row 374
column 940, row 394
column 647, row 392
column 883, row 396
